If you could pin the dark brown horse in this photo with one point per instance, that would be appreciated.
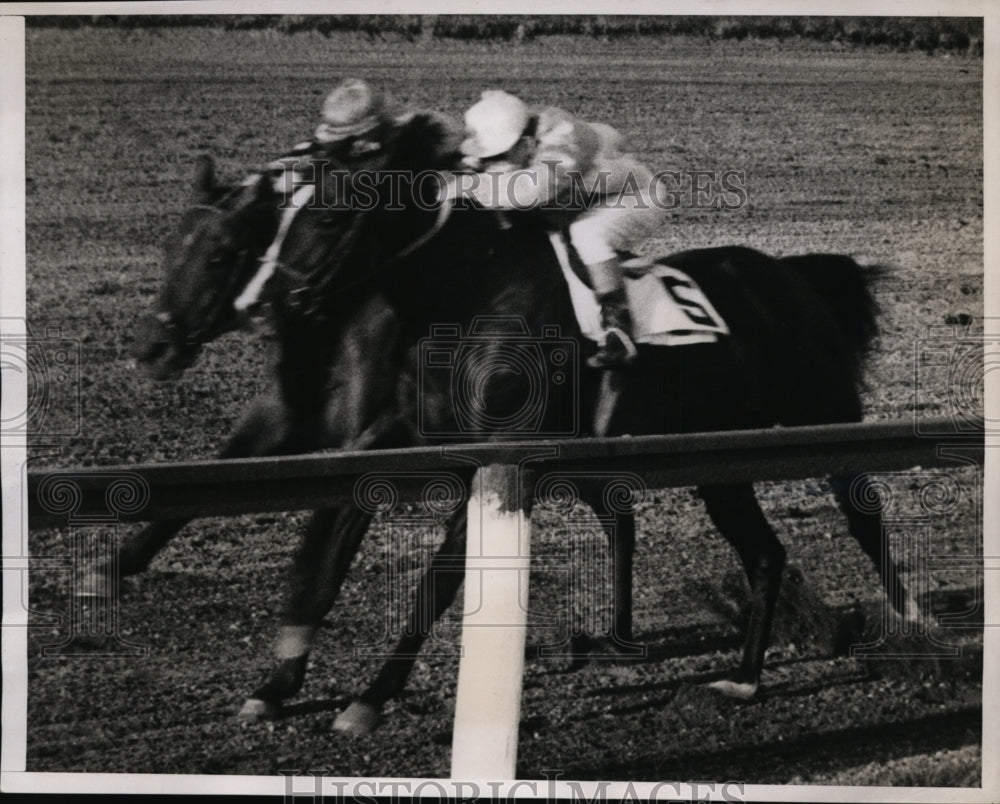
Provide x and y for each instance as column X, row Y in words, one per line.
column 799, row 330
column 327, row 393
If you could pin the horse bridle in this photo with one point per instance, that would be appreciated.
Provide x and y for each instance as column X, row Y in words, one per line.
column 311, row 286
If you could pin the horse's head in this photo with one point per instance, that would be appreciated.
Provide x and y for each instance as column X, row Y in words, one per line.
column 207, row 263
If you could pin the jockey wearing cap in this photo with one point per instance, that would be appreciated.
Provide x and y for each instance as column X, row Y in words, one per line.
column 534, row 157
column 357, row 120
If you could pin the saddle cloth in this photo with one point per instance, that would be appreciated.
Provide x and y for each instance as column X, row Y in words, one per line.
column 668, row 308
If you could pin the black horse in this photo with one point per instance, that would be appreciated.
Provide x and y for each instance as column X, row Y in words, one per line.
column 799, row 330
column 343, row 382
column 328, row 392
column 800, row 327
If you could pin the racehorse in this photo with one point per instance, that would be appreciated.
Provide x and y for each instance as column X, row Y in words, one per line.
column 328, row 392
column 799, row 330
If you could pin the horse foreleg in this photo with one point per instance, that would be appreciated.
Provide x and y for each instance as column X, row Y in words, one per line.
column 736, row 513
column 855, row 495
column 263, row 430
column 434, row 594
column 132, row 557
column 330, row 543
column 135, row 555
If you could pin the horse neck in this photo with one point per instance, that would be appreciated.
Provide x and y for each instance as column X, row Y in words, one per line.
column 475, row 269
column 260, row 224
column 492, row 317
column 346, row 361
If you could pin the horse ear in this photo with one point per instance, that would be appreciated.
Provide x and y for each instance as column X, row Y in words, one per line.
column 204, row 178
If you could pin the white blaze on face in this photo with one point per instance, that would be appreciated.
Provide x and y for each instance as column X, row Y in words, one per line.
column 251, row 293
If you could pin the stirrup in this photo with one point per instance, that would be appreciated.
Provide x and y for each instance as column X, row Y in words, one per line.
column 618, row 350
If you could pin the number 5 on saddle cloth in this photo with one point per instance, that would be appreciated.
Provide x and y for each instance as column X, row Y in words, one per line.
column 668, row 308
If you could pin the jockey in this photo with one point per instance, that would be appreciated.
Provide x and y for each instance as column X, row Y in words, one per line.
column 547, row 158
column 357, row 121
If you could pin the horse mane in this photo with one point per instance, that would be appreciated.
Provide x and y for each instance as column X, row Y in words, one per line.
column 427, row 141
column 351, row 245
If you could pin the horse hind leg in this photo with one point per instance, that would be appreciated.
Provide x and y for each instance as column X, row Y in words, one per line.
column 858, row 500
column 330, row 543
column 435, row 592
column 736, row 513
column 619, row 528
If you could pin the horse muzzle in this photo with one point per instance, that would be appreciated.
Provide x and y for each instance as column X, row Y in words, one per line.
column 159, row 350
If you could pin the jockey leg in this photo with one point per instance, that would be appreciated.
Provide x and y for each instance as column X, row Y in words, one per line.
column 614, row 225
column 591, row 235
column 616, row 319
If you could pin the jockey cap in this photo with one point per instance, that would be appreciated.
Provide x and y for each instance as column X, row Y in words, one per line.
column 352, row 108
column 494, row 124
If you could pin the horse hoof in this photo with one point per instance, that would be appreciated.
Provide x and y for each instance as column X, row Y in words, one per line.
column 256, row 709
column 357, row 720
column 734, row 689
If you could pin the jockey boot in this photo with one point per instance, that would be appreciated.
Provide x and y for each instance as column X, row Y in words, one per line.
column 618, row 350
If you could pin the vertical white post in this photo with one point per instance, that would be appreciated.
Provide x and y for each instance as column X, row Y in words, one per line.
column 494, row 626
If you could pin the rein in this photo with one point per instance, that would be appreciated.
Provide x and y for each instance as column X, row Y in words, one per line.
column 444, row 212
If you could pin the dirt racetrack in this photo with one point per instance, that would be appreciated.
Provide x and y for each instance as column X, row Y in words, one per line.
column 857, row 151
